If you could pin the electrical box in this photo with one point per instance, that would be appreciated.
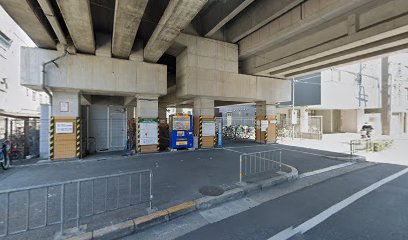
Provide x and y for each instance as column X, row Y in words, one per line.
column 181, row 131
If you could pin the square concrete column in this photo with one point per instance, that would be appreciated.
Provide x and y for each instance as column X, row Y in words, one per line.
column 162, row 113
column 65, row 129
column 265, row 113
column 203, row 112
column 65, row 104
column 147, row 113
column 203, row 107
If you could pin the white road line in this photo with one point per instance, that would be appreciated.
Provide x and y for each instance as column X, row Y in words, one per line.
column 307, row 174
column 245, row 146
column 311, row 223
column 233, row 150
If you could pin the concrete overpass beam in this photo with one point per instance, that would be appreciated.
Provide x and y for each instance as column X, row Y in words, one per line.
column 256, row 16
column 22, row 12
column 220, row 13
column 176, row 17
column 128, row 15
column 50, row 14
column 77, row 16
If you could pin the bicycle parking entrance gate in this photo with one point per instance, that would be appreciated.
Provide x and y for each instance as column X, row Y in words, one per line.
column 236, row 129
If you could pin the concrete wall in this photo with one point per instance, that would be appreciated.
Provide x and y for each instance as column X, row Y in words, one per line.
column 93, row 74
column 70, row 98
column 352, row 120
column 209, row 68
column 327, row 120
column 340, row 86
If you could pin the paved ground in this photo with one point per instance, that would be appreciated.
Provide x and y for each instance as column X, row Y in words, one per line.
column 340, row 142
column 177, row 176
column 380, row 214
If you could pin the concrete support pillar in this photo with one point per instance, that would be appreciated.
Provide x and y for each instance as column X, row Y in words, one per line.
column 265, row 113
column 44, row 131
column 65, row 110
column 162, row 112
column 147, row 110
column 386, row 88
column 203, row 111
column 304, row 120
column 203, row 107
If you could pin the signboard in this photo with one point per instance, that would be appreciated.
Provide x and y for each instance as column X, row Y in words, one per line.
column 64, row 106
column 294, row 117
column 264, row 125
column 64, row 127
column 148, row 132
column 181, row 122
column 229, row 119
column 208, row 128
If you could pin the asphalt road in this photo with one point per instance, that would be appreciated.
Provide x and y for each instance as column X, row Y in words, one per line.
column 177, row 178
column 380, row 214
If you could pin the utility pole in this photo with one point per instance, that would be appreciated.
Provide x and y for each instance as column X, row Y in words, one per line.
column 386, row 95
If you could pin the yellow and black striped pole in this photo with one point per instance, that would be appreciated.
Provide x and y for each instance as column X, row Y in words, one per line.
column 266, row 133
column 139, row 148
column 158, row 134
column 52, row 132
column 215, row 137
column 78, row 137
column 200, row 140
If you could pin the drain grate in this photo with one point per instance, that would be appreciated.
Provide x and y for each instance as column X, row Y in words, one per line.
column 211, row 190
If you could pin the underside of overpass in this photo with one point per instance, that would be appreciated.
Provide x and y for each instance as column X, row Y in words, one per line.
column 199, row 53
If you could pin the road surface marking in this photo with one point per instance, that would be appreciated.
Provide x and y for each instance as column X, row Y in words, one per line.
column 311, row 223
column 308, row 174
column 233, row 151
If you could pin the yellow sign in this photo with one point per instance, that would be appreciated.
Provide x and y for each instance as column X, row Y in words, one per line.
column 181, row 143
column 180, row 133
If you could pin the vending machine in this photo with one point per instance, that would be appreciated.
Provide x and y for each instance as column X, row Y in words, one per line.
column 181, row 131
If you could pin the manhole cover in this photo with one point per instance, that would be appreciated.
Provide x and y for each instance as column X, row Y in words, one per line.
column 211, row 190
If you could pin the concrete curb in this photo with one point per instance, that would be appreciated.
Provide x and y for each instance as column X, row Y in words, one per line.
column 138, row 224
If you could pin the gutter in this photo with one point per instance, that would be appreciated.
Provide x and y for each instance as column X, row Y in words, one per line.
column 43, row 72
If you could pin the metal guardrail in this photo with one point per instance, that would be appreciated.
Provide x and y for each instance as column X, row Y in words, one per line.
column 35, row 207
column 360, row 145
column 261, row 162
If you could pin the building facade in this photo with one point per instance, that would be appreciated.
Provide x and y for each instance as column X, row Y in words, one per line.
column 353, row 94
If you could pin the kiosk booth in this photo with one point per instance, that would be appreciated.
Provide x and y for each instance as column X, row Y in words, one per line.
column 181, row 131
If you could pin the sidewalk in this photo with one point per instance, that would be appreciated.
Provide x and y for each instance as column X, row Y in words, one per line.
column 340, row 142
column 177, row 176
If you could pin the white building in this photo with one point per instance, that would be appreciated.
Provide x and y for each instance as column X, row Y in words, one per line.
column 351, row 95
column 19, row 106
column 15, row 100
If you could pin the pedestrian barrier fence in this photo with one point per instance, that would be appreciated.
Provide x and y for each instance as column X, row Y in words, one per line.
column 359, row 145
column 261, row 163
column 67, row 204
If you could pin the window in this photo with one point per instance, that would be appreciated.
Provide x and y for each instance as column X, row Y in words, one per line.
column 5, row 41
column 406, row 92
